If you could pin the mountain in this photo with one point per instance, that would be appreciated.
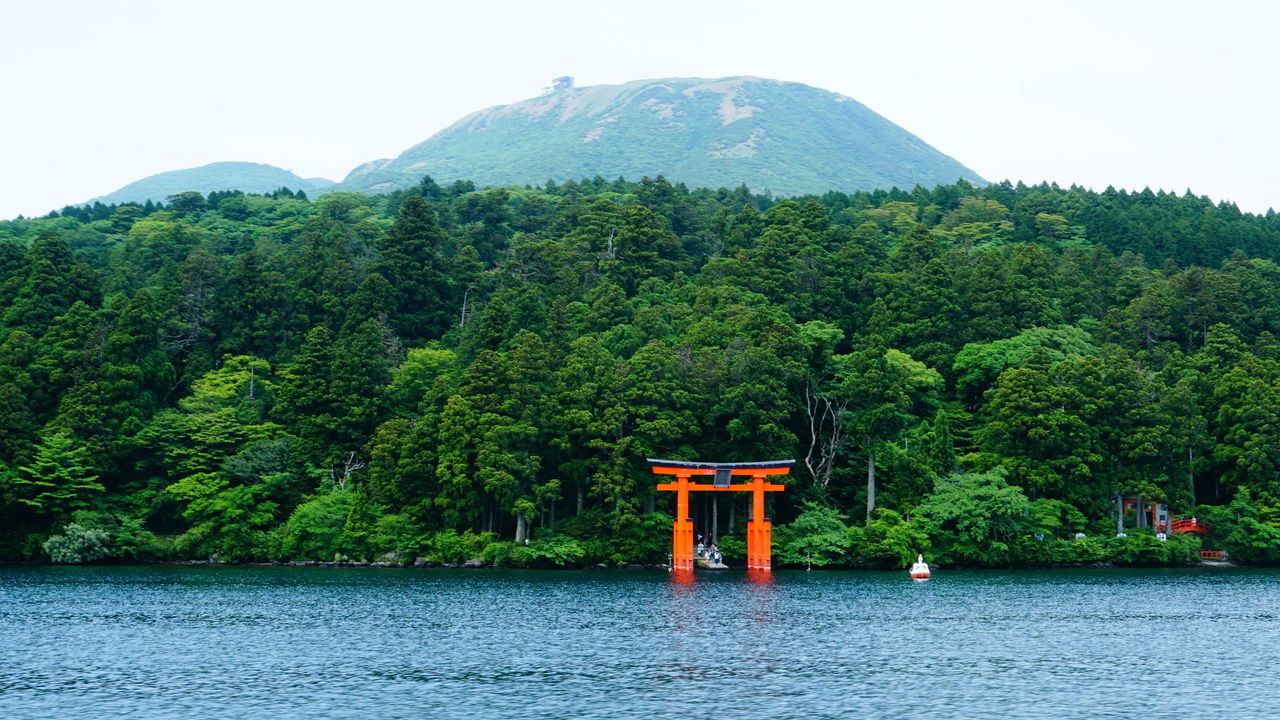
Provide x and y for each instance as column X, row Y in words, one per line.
column 784, row 137
column 246, row 176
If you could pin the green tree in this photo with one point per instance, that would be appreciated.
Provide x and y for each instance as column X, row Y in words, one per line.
column 818, row 536
column 885, row 391
column 412, row 263
column 17, row 421
column 973, row 518
column 60, row 479
column 888, row 541
column 314, row 530
column 50, row 286
column 334, row 392
column 1248, row 425
column 222, row 463
column 978, row 364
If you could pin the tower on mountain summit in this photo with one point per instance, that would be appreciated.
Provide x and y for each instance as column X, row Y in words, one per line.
column 564, row 82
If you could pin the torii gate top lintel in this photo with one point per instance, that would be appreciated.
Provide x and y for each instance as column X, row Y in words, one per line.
column 745, row 469
column 778, row 467
column 759, row 528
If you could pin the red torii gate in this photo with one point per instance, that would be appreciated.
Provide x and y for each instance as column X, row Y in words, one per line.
column 759, row 529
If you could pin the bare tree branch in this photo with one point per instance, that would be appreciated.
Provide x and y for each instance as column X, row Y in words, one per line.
column 826, row 433
column 350, row 466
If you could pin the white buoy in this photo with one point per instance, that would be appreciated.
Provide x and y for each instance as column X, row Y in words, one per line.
column 920, row 570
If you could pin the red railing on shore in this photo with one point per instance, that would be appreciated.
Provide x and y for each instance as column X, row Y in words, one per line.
column 1183, row 525
column 1213, row 555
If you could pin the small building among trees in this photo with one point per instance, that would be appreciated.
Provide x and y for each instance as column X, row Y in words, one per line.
column 1146, row 512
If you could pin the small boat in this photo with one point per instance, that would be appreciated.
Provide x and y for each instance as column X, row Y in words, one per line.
column 920, row 570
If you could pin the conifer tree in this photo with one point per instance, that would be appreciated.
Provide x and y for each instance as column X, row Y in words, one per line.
column 411, row 261
column 59, row 480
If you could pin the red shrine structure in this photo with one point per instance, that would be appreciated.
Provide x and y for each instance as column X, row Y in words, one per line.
column 759, row 528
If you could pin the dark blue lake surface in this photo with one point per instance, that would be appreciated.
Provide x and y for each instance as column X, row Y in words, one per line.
column 181, row 642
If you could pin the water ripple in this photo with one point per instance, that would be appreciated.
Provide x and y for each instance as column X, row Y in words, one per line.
column 311, row 643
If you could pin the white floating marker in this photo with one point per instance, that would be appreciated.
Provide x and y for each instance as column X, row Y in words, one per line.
column 920, row 570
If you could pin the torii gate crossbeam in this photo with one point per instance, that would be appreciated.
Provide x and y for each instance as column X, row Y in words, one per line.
column 759, row 528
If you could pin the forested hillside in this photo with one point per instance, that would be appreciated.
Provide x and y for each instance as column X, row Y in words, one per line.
column 446, row 372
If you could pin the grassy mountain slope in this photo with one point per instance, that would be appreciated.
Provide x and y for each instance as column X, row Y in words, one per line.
column 784, row 137
column 246, row 176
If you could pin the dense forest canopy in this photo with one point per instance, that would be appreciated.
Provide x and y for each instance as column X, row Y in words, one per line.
column 447, row 372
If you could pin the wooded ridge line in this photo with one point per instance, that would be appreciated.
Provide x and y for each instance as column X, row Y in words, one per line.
column 451, row 373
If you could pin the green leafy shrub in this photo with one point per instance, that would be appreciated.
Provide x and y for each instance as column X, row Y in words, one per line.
column 646, row 539
column 1249, row 531
column 397, row 533
column 1140, row 547
column 77, row 544
column 127, row 540
column 1046, row 551
column 1253, row 541
column 888, row 541
column 498, row 553
column 1089, row 550
column 451, row 546
column 1184, row 548
column 133, row 543
column 818, row 536
column 229, row 524
column 555, row 550
column 1052, row 550
column 314, row 529
column 1054, row 517
column 633, row 539
column 732, row 547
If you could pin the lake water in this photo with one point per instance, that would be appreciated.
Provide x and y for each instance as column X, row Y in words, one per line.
column 183, row 642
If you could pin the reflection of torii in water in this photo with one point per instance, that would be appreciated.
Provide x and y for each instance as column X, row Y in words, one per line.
column 759, row 528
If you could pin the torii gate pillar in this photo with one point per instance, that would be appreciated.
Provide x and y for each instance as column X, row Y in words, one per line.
column 759, row 528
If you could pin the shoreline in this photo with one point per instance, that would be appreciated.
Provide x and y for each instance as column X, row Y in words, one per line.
column 480, row 565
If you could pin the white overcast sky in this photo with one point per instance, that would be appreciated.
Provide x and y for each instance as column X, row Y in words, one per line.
column 1171, row 95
